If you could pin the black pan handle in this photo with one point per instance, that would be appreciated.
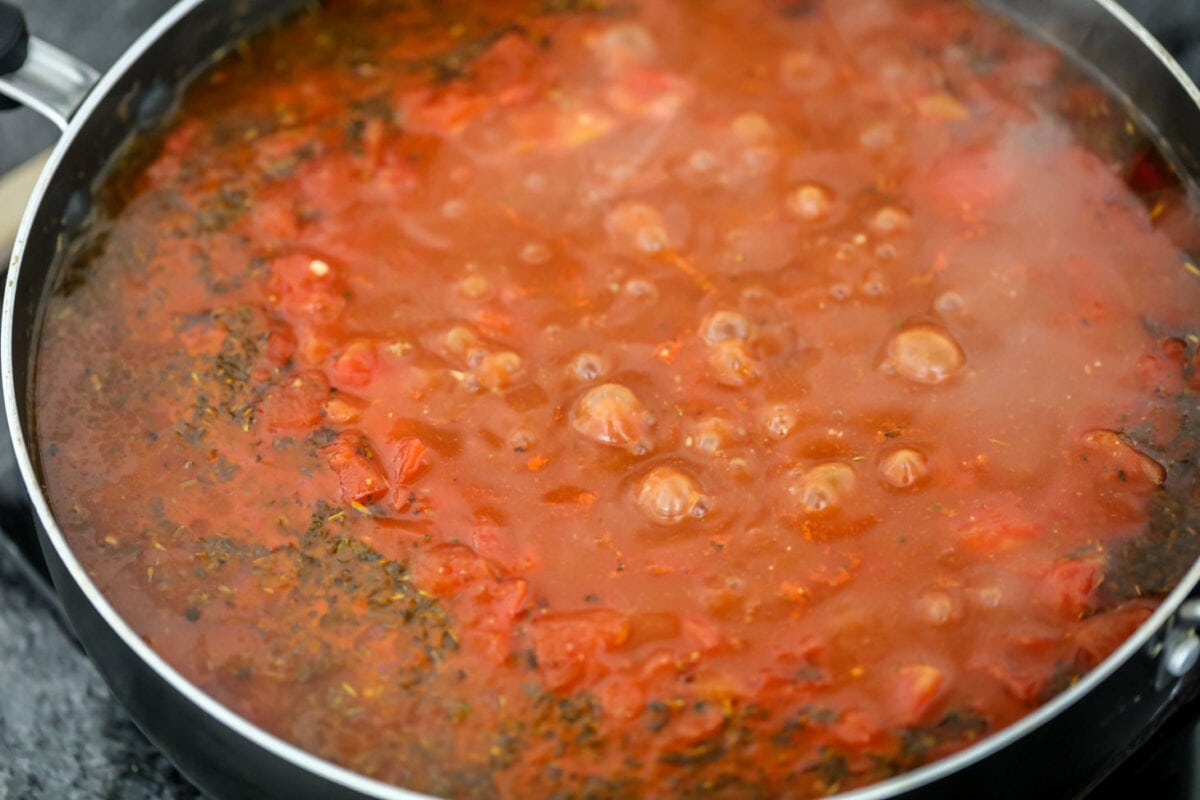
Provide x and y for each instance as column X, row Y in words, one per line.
column 14, row 45
column 14, row 38
column 39, row 75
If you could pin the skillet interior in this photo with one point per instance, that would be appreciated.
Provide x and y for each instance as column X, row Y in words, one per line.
column 65, row 206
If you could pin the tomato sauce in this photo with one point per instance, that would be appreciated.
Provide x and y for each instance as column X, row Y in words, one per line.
column 613, row 399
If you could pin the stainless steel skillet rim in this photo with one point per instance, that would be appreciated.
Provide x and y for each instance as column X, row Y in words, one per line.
column 15, row 408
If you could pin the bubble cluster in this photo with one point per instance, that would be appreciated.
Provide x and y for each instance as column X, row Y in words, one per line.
column 903, row 467
column 721, row 326
column 587, row 366
column 668, row 496
column 612, row 414
column 822, row 487
column 638, row 227
column 810, row 202
column 924, row 353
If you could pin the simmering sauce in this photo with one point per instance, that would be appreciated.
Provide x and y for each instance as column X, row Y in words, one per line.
column 607, row 399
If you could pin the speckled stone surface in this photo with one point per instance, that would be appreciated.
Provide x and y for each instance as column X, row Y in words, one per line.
column 62, row 735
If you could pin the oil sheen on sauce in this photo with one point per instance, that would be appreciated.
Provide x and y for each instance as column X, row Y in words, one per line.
column 629, row 399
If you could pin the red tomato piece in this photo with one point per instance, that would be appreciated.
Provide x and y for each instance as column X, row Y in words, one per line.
column 496, row 543
column 695, row 725
column 443, row 111
column 997, row 530
column 446, row 569
column 295, row 404
column 705, row 635
column 649, row 92
column 1023, row 684
column 1019, row 663
column 1100, row 634
column 486, row 610
column 281, row 345
column 493, row 631
column 304, row 286
column 856, row 728
column 1120, row 465
column 621, row 698
column 360, row 476
column 373, row 141
column 915, row 689
column 1162, row 369
column 272, row 220
column 177, row 146
column 507, row 597
column 1068, row 586
column 566, row 645
column 203, row 340
column 970, row 182
column 409, row 459
column 355, row 366
column 510, row 71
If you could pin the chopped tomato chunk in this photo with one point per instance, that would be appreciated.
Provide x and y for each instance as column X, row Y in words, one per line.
column 296, row 403
column 306, row 287
column 442, row 111
column 1101, row 634
column 995, row 530
column 355, row 365
column 409, row 459
column 281, row 344
column 968, row 183
column 360, row 475
column 449, row 568
column 1068, row 586
column 915, row 688
column 567, row 645
column 1163, row 369
column 857, row 727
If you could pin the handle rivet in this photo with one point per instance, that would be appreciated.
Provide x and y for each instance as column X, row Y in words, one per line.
column 1182, row 656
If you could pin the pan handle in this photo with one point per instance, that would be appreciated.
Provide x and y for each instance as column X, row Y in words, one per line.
column 39, row 75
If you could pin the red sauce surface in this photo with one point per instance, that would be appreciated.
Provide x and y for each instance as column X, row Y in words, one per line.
column 637, row 399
